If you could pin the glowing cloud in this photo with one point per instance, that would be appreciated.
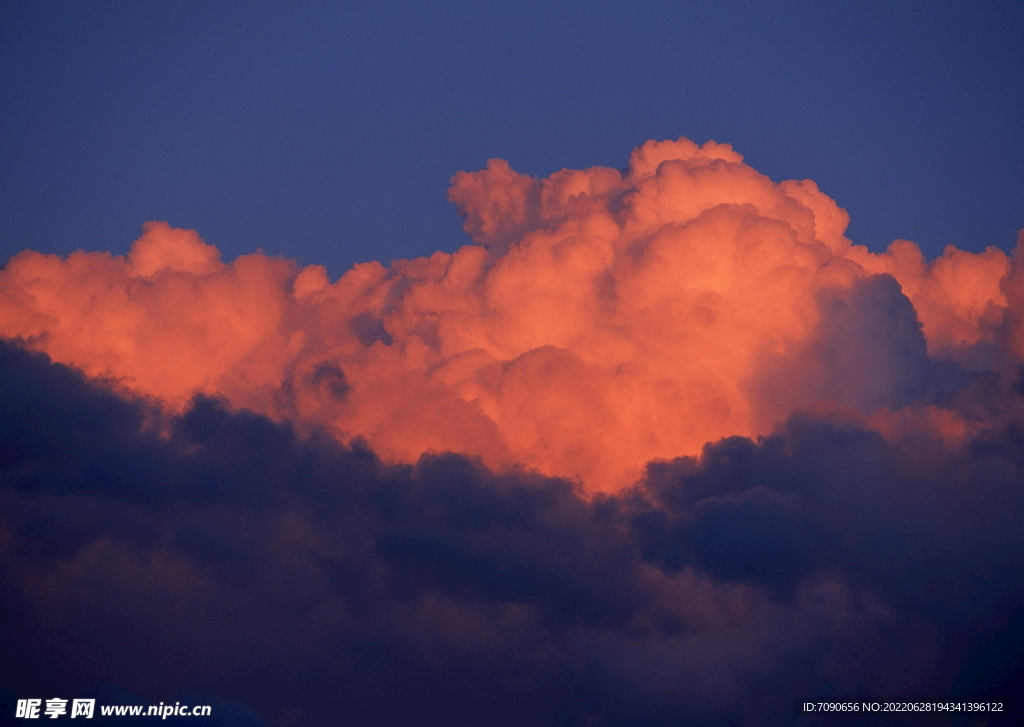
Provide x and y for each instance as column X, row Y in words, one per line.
column 815, row 452
column 602, row 319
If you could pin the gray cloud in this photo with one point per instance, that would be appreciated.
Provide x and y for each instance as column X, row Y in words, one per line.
column 218, row 552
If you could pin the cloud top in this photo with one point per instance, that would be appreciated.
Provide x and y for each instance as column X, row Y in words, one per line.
column 601, row 319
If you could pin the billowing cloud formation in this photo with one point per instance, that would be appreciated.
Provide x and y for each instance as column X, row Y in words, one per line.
column 661, row 447
column 602, row 319
column 219, row 552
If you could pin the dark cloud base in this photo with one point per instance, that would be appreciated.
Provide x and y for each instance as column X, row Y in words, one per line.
column 220, row 553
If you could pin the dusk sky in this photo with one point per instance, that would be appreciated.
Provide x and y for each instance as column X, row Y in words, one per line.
column 512, row 364
column 328, row 131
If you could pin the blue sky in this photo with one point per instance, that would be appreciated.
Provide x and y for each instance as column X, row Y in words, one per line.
column 328, row 131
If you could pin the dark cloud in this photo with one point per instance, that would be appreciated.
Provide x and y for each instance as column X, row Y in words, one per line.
column 221, row 553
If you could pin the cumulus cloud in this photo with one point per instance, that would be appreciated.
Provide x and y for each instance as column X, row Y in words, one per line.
column 660, row 446
column 601, row 319
column 222, row 552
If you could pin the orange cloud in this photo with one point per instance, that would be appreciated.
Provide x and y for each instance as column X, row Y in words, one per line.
column 601, row 319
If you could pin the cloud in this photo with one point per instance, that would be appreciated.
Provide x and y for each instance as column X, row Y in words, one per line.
column 661, row 446
column 221, row 552
column 601, row 319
